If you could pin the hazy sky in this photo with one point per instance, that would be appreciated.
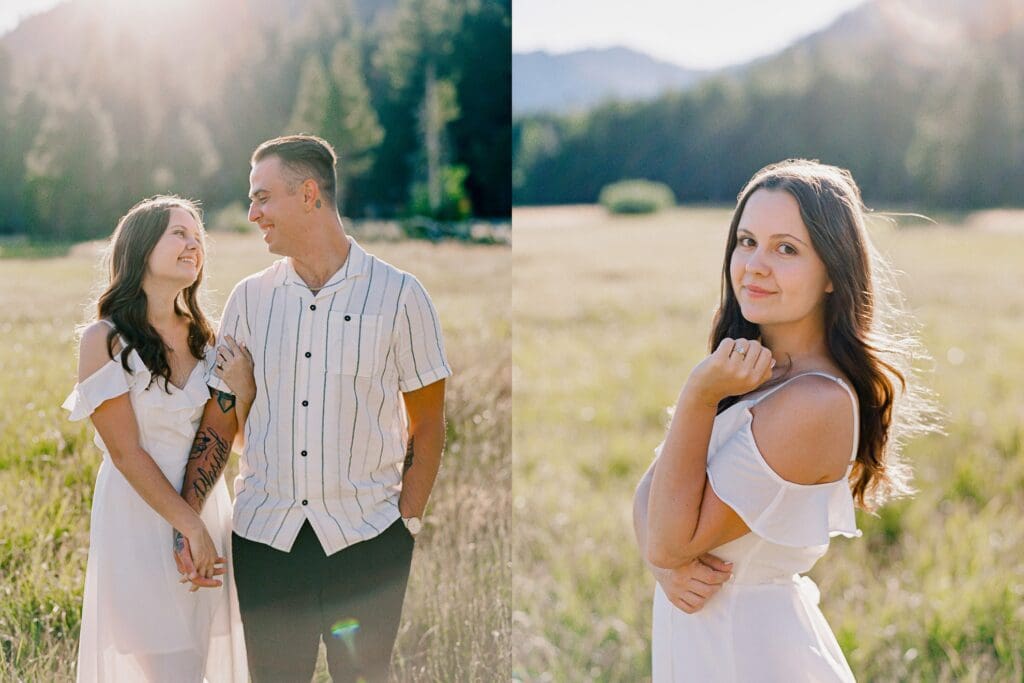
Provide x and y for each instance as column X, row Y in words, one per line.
column 689, row 33
column 13, row 11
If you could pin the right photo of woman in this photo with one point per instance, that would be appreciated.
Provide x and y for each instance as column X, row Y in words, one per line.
column 767, row 352
column 776, row 436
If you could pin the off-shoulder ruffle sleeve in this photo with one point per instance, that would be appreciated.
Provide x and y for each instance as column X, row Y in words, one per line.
column 780, row 511
column 109, row 381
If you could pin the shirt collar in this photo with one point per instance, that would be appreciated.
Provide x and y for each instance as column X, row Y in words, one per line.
column 356, row 265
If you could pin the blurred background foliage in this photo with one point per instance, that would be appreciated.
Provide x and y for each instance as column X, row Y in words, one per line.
column 104, row 102
column 922, row 101
column 636, row 196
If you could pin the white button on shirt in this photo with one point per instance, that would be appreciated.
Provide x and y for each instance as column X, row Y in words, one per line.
column 325, row 438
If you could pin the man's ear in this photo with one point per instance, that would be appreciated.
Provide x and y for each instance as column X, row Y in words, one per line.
column 310, row 194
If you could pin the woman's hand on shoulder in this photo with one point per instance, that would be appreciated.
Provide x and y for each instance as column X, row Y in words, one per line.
column 804, row 430
column 736, row 367
column 235, row 366
column 93, row 352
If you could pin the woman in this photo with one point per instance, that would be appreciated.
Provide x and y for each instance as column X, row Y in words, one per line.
column 777, row 432
column 142, row 373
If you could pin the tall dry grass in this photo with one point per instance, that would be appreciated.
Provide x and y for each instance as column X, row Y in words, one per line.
column 456, row 620
column 611, row 314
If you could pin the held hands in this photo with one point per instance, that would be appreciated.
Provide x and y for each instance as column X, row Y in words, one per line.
column 690, row 586
column 736, row 367
column 200, row 573
column 235, row 366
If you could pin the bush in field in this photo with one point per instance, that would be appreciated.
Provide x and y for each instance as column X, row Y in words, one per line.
column 451, row 202
column 232, row 218
column 636, row 196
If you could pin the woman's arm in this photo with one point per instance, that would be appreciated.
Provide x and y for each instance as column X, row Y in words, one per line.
column 788, row 431
column 691, row 585
column 685, row 517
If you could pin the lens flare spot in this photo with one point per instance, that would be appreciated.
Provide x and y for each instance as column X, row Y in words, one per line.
column 345, row 629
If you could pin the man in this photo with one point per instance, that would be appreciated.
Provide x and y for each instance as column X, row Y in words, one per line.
column 330, row 491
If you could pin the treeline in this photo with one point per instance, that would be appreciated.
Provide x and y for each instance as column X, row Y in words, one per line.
column 414, row 95
column 939, row 137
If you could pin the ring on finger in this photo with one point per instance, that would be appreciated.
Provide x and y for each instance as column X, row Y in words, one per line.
column 740, row 351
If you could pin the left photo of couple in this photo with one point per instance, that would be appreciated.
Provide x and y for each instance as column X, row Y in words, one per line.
column 257, row 367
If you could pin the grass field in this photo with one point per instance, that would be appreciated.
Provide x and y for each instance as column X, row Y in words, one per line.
column 457, row 615
column 610, row 316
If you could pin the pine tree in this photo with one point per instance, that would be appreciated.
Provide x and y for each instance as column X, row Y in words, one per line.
column 310, row 112
column 336, row 105
column 66, row 170
column 352, row 124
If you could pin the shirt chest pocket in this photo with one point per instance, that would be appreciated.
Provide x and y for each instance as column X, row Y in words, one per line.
column 353, row 343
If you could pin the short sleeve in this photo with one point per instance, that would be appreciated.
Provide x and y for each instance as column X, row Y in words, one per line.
column 780, row 511
column 108, row 382
column 234, row 322
column 419, row 346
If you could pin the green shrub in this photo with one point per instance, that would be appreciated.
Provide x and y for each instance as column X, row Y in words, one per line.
column 636, row 196
column 454, row 204
column 232, row 218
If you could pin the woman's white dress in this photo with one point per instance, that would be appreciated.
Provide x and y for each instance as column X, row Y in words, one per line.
column 764, row 625
column 138, row 622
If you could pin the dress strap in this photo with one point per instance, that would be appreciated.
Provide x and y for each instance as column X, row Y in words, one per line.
column 120, row 337
column 844, row 385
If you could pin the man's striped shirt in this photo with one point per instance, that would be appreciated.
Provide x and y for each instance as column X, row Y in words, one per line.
column 325, row 438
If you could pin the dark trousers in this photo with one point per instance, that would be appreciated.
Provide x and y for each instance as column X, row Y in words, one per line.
column 353, row 599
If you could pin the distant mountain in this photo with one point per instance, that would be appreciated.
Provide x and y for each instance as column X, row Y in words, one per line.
column 908, row 37
column 920, row 99
column 544, row 82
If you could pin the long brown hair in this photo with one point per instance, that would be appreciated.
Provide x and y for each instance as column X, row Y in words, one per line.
column 124, row 302
column 860, row 318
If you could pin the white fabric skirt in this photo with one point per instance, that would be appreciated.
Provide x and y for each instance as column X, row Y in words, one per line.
column 138, row 622
column 766, row 632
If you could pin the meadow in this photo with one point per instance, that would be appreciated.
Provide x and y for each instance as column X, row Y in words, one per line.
column 457, row 615
column 611, row 313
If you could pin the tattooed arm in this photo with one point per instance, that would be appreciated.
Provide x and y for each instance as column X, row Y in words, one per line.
column 210, row 450
column 426, row 441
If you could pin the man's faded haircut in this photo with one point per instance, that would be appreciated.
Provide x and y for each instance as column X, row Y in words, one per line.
column 302, row 157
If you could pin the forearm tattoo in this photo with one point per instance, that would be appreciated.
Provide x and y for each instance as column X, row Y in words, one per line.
column 226, row 401
column 206, row 461
column 408, row 456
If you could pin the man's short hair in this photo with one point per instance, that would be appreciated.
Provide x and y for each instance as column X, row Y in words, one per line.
column 302, row 157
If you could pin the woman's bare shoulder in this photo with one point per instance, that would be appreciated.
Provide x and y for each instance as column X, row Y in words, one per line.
column 93, row 350
column 805, row 430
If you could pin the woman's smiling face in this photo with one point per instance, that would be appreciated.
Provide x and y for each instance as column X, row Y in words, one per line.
column 776, row 274
column 179, row 254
